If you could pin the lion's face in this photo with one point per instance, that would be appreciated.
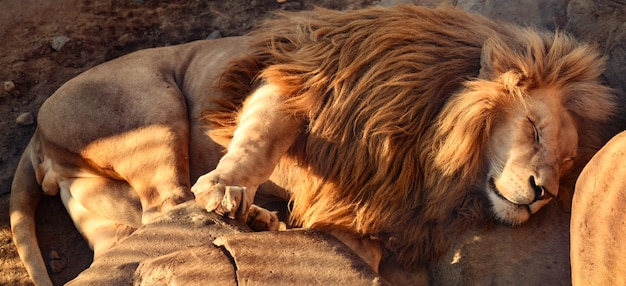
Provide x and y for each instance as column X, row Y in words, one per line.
column 530, row 147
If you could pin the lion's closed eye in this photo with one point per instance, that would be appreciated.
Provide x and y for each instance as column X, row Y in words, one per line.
column 536, row 136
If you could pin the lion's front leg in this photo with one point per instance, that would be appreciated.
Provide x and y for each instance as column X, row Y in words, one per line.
column 264, row 133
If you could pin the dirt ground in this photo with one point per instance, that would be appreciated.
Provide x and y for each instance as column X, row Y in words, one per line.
column 33, row 65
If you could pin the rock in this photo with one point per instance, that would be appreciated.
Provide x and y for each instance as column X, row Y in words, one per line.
column 269, row 257
column 9, row 89
column 25, row 119
column 603, row 23
column 177, row 249
column 57, row 263
column 187, row 267
column 58, row 42
column 214, row 35
column 185, row 226
column 123, row 40
column 54, row 255
column 9, row 86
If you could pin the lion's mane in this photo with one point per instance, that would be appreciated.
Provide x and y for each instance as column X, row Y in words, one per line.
column 399, row 104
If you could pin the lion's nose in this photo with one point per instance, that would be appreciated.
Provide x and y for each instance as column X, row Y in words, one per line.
column 540, row 191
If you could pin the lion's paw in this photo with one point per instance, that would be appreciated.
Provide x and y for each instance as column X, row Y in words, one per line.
column 260, row 219
column 232, row 199
column 226, row 200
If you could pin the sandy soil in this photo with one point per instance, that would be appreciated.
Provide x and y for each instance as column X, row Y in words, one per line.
column 98, row 31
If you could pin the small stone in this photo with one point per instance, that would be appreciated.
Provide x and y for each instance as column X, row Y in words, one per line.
column 58, row 42
column 25, row 119
column 54, row 255
column 123, row 40
column 57, row 265
column 214, row 35
column 9, row 86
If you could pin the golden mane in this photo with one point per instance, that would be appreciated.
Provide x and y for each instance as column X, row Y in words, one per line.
column 399, row 104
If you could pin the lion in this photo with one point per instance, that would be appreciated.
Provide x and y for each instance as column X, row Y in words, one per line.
column 597, row 228
column 393, row 129
column 400, row 115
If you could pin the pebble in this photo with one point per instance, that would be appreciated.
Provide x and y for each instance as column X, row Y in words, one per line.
column 58, row 42
column 54, row 255
column 123, row 40
column 25, row 119
column 214, row 35
column 57, row 263
column 9, row 86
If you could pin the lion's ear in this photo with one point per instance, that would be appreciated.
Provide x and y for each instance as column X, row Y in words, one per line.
column 497, row 58
column 498, row 63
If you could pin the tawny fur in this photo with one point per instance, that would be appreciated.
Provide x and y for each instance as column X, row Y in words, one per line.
column 597, row 223
column 399, row 104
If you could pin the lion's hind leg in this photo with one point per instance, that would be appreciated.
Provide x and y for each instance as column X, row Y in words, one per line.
column 105, row 211
column 263, row 135
column 100, row 232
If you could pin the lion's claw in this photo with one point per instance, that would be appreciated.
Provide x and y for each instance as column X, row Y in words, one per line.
column 210, row 198
column 232, row 199
column 226, row 199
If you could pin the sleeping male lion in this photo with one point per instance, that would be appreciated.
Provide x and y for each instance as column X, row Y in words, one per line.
column 383, row 126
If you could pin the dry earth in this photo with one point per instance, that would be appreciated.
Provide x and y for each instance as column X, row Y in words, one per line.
column 33, row 65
